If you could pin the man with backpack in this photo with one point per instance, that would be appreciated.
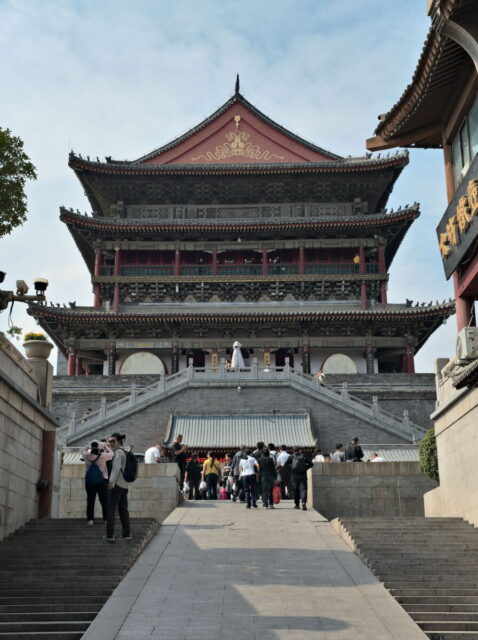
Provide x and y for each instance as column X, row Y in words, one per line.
column 124, row 470
column 298, row 464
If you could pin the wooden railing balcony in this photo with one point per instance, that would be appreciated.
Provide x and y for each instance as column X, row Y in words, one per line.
column 239, row 269
column 283, row 269
column 196, row 270
column 330, row 268
column 157, row 270
column 280, row 269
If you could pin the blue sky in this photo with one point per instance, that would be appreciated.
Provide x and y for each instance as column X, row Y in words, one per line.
column 121, row 78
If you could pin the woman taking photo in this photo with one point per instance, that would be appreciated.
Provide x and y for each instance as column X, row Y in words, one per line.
column 117, row 490
column 96, row 478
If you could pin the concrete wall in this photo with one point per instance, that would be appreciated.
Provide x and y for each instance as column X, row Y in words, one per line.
column 22, row 425
column 154, row 494
column 365, row 489
column 396, row 392
column 456, row 429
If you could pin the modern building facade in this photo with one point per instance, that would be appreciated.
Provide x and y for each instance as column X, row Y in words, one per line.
column 240, row 230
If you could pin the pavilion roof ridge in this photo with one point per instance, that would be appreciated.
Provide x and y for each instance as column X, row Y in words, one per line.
column 445, row 309
column 234, row 99
column 384, row 217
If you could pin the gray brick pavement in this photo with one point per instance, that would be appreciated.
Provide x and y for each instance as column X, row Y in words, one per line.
column 218, row 571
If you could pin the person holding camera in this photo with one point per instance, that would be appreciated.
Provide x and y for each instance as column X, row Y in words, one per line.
column 96, row 457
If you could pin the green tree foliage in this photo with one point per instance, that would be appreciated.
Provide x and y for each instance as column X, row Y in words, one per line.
column 428, row 455
column 15, row 170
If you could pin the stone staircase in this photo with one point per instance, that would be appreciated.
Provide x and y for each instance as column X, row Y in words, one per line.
column 139, row 399
column 429, row 565
column 55, row 576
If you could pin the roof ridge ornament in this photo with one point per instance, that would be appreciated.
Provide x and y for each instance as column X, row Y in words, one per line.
column 237, row 85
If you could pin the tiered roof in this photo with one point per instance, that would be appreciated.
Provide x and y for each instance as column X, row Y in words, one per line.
column 53, row 319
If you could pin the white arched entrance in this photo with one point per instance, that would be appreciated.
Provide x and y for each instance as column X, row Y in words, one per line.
column 142, row 362
column 338, row 363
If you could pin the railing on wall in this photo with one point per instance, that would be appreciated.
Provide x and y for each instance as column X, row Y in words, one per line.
column 311, row 268
column 154, row 270
column 340, row 398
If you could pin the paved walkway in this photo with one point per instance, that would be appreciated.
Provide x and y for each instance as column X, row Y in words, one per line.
column 218, row 571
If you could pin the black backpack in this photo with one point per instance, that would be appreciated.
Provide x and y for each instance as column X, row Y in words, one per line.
column 299, row 465
column 94, row 475
column 130, row 471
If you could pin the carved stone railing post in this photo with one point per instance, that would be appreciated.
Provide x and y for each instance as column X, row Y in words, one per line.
column 190, row 374
column 375, row 407
column 132, row 398
column 162, row 383
column 344, row 392
column 254, row 370
column 103, row 408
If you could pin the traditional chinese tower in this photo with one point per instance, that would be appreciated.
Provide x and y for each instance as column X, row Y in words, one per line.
column 240, row 230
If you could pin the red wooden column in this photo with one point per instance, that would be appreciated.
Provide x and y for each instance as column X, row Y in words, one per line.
column 305, row 358
column 265, row 264
column 363, row 284
column 362, row 259
column 177, row 262
column 46, row 473
column 301, row 261
column 116, row 272
column 98, row 263
column 463, row 306
column 409, row 360
column 381, row 270
column 214, row 263
column 175, row 360
column 70, row 371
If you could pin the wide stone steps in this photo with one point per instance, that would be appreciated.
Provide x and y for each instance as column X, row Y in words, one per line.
column 429, row 565
column 55, row 576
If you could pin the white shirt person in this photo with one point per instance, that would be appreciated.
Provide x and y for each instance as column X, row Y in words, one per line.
column 153, row 454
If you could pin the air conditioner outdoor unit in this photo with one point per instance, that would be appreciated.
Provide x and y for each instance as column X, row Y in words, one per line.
column 467, row 344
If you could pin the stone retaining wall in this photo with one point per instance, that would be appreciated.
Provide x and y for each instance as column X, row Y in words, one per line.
column 23, row 422
column 154, row 494
column 368, row 489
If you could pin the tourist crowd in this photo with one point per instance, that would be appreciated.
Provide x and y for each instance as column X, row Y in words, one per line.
column 267, row 473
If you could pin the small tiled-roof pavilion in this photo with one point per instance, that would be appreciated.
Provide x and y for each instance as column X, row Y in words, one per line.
column 240, row 230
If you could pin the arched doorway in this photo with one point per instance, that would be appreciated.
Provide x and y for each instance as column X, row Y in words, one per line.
column 338, row 363
column 142, row 362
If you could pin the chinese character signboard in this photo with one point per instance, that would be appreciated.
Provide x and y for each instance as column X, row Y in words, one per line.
column 458, row 229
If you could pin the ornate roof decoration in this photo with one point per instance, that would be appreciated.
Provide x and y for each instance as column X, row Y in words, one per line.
column 261, row 126
column 416, row 118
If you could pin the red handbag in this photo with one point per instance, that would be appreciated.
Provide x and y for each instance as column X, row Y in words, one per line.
column 276, row 495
